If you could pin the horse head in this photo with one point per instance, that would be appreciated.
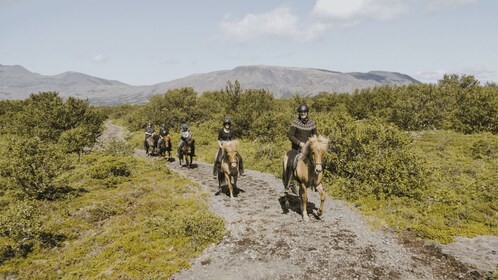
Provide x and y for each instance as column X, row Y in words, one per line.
column 314, row 151
column 229, row 150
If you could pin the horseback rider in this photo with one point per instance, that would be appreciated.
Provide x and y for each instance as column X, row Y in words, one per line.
column 300, row 130
column 163, row 131
column 184, row 134
column 149, row 131
column 225, row 134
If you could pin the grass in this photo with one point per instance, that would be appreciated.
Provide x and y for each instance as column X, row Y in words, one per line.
column 145, row 226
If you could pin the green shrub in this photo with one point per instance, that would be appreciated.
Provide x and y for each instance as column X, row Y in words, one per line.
column 33, row 167
column 111, row 170
column 484, row 149
column 21, row 229
column 372, row 158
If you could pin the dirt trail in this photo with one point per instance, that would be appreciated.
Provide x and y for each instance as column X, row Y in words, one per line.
column 265, row 242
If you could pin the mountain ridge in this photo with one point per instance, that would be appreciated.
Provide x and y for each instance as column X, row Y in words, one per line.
column 17, row 82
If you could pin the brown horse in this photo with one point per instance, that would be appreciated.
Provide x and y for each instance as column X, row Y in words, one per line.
column 151, row 143
column 229, row 166
column 164, row 146
column 186, row 151
column 307, row 170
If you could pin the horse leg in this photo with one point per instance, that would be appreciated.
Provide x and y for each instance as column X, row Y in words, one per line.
column 322, row 199
column 229, row 183
column 304, row 202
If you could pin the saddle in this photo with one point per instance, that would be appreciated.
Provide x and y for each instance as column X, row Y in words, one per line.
column 292, row 159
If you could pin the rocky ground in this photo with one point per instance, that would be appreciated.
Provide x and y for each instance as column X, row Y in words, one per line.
column 265, row 240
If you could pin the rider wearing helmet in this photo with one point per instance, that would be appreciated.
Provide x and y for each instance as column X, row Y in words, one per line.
column 162, row 132
column 300, row 130
column 149, row 131
column 225, row 134
column 184, row 133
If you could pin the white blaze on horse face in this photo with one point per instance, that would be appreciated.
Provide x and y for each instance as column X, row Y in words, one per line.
column 316, row 157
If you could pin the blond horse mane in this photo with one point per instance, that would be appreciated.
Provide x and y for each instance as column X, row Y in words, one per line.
column 230, row 147
column 315, row 143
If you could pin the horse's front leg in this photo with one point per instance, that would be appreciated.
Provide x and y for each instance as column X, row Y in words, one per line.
column 321, row 191
column 229, row 183
column 304, row 202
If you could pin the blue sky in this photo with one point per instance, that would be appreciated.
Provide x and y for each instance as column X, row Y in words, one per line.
column 147, row 42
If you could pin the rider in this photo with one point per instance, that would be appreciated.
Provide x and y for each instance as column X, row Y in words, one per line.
column 149, row 131
column 184, row 133
column 300, row 130
column 225, row 134
column 162, row 132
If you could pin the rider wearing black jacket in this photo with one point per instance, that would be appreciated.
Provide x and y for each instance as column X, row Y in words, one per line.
column 225, row 134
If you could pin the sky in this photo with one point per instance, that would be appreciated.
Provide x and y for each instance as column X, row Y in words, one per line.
column 144, row 42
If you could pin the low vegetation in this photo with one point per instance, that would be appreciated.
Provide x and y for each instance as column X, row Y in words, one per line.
column 421, row 157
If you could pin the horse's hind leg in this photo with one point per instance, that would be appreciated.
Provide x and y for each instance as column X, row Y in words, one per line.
column 322, row 199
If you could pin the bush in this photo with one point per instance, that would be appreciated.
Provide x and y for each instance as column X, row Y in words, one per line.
column 21, row 229
column 33, row 167
column 111, row 170
column 372, row 158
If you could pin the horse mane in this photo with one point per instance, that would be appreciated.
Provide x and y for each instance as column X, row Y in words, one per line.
column 230, row 147
column 315, row 143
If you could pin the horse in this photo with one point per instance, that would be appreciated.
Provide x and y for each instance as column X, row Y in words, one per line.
column 151, row 142
column 307, row 170
column 186, row 151
column 164, row 146
column 229, row 167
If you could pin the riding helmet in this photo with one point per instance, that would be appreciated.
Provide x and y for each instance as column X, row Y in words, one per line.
column 226, row 121
column 303, row 108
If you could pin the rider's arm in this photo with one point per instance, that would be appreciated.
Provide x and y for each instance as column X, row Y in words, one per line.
column 292, row 135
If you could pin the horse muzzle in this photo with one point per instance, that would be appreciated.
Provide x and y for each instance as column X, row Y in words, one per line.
column 318, row 168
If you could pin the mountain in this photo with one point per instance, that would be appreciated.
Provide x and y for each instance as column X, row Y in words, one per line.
column 16, row 82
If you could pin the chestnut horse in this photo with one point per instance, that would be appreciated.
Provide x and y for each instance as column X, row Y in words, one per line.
column 186, row 151
column 229, row 168
column 151, row 142
column 164, row 146
column 307, row 169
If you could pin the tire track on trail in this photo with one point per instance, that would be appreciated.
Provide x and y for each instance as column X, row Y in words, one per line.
column 264, row 242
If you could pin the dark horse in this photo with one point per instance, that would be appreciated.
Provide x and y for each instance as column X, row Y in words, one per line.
column 229, row 167
column 151, row 143
column 186, row 151
column 307, row 170
column 164, row 146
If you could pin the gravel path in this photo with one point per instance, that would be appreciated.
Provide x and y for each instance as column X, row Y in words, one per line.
column 264, row 241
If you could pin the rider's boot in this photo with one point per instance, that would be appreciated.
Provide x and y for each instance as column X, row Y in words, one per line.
column 215, row 170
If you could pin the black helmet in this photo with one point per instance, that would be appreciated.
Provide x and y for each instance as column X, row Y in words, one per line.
column 185, row 126
column 303, row 108
column 226, row 121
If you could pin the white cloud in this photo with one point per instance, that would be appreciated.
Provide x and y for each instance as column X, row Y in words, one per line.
column 481, row 73
column 429, row 76
column 442, row 5
column 352, row 12
column 99, row 59
column 281, row 23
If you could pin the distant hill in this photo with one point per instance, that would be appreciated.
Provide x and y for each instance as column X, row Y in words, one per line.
column 16, row 82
